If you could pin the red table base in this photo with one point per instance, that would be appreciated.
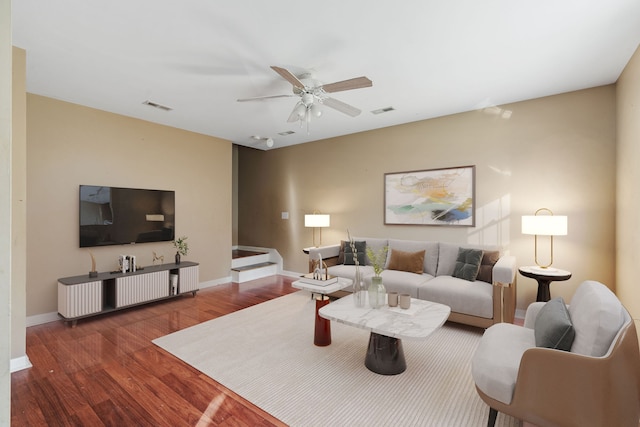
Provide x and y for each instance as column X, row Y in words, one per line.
column 322, row 336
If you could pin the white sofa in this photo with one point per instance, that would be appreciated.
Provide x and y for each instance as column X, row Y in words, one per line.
column 477, row 303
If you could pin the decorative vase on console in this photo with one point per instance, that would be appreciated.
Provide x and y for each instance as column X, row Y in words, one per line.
column 182, row 246
column 377, row 291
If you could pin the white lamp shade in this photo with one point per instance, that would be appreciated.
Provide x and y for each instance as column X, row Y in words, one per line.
column 544, row 225
column 317, row 220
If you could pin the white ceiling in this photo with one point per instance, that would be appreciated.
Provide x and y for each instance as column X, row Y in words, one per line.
column 426, row 58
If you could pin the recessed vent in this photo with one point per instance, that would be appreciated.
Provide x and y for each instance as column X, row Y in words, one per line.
column 383, row 110
column 156, row 105
column 285, row 133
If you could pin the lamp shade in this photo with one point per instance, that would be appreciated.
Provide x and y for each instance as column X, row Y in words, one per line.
column 317, row 220
column 544, row 225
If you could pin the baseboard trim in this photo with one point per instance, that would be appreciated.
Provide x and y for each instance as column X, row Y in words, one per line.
column 20, row 363
column 216, row 282
column 40, row 319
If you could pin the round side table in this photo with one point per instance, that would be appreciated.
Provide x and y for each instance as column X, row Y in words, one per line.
column 544, row 276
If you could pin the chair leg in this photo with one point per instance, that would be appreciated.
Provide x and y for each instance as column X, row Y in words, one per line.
column 493, row 414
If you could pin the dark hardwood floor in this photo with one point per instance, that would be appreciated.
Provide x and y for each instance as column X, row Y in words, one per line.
column 105, row 371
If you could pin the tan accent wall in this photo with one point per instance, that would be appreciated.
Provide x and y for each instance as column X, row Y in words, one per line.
column 628, row 181
column 69, row 145
column 556, row 152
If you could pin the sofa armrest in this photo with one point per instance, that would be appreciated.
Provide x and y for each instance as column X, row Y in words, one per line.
column 532, row 313
column 326, row 252
column 504, row 271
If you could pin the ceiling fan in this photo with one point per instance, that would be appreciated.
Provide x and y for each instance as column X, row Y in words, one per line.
column 312, row 93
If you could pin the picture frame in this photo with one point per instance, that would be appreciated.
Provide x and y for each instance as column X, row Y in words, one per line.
column 443, row 197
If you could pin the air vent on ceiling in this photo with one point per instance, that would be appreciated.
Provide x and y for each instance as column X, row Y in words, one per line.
column 285, row 133
column 383, row 110
column 156, row 105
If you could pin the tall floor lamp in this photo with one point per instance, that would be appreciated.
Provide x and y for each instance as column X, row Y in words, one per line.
column 542, row 224
column 317, row 220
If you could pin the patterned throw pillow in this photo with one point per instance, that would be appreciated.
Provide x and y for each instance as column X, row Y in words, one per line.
column 361, row 252
column 468, row 264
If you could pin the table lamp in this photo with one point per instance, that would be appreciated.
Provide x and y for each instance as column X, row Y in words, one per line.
column 544, row 225
column 317, row 220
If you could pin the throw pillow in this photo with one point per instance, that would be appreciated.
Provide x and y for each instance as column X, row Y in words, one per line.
column 341, row 252
column 413, row 262
column 361, row 253
column 553, row 327
column 468, row 264
column 489, row 259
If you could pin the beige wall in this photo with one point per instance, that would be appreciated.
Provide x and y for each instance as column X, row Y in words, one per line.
column 19, row 207
column 556, row 152
column 628, row 202
column 5, row 212
column 69, row 145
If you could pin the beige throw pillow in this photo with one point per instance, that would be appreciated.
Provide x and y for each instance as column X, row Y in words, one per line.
column 413, row 262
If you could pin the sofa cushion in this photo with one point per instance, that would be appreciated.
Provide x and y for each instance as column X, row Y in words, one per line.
column 597, row 316
column 496, row 361
column 489, row 259
column 361, row 256
column 468, row 264
column 448, row 254
column 412, row 262
column 553, row 327
column 403, row 282
column 430, row 252
column 473, row 298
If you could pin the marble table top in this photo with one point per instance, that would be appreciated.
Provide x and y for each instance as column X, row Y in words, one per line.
column 329, row 289
column 419, row 321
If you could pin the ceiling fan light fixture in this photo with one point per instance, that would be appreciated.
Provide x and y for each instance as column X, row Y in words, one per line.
column 300, row 110
column 315, row 110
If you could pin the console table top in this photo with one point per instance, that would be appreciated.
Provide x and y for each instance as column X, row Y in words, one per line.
column 75, row 280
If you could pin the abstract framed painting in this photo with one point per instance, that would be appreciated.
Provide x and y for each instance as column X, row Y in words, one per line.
column 431, row 197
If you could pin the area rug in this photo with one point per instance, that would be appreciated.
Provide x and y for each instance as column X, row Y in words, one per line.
column 265, row 353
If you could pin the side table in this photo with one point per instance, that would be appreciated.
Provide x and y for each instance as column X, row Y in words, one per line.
column 544, row 276
column 322, row 334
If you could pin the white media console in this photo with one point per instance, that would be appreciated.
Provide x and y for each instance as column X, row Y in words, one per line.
column 84, row 296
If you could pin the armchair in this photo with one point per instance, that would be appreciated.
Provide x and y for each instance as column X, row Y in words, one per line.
column 596, row 383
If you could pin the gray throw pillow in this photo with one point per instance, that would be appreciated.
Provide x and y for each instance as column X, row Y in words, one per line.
column 468, row 264
column 553, row 327
column 361, row 252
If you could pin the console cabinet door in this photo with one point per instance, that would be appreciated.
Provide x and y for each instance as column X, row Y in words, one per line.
column 188, row 280
column 140, row 288
column 80, row 299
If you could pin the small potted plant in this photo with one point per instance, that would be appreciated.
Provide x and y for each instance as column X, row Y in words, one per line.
column 377, row 292
column 182, row 247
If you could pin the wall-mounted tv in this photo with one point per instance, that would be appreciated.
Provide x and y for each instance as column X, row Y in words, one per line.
column 119, row 216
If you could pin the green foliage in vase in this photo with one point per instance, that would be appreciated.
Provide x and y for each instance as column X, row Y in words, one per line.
column 378, row 259
column 181, row 245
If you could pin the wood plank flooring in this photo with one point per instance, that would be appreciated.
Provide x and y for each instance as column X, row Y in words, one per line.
column 106, row 372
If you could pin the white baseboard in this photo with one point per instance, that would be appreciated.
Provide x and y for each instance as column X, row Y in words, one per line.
column 520, row 314
column 39, row 319
column 20, row 363
column 216, row 282
column 292, row 274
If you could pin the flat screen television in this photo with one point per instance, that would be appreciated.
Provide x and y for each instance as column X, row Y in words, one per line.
column 119, row 216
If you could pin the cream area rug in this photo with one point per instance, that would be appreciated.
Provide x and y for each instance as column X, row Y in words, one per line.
column 265, row 353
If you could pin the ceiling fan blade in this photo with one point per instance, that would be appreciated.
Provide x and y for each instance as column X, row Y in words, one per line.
column 262, row 98
column 286, row 74
column 341, row 106
column 355, row 83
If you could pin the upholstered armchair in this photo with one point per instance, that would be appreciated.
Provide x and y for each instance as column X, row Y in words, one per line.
column 595, row 383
